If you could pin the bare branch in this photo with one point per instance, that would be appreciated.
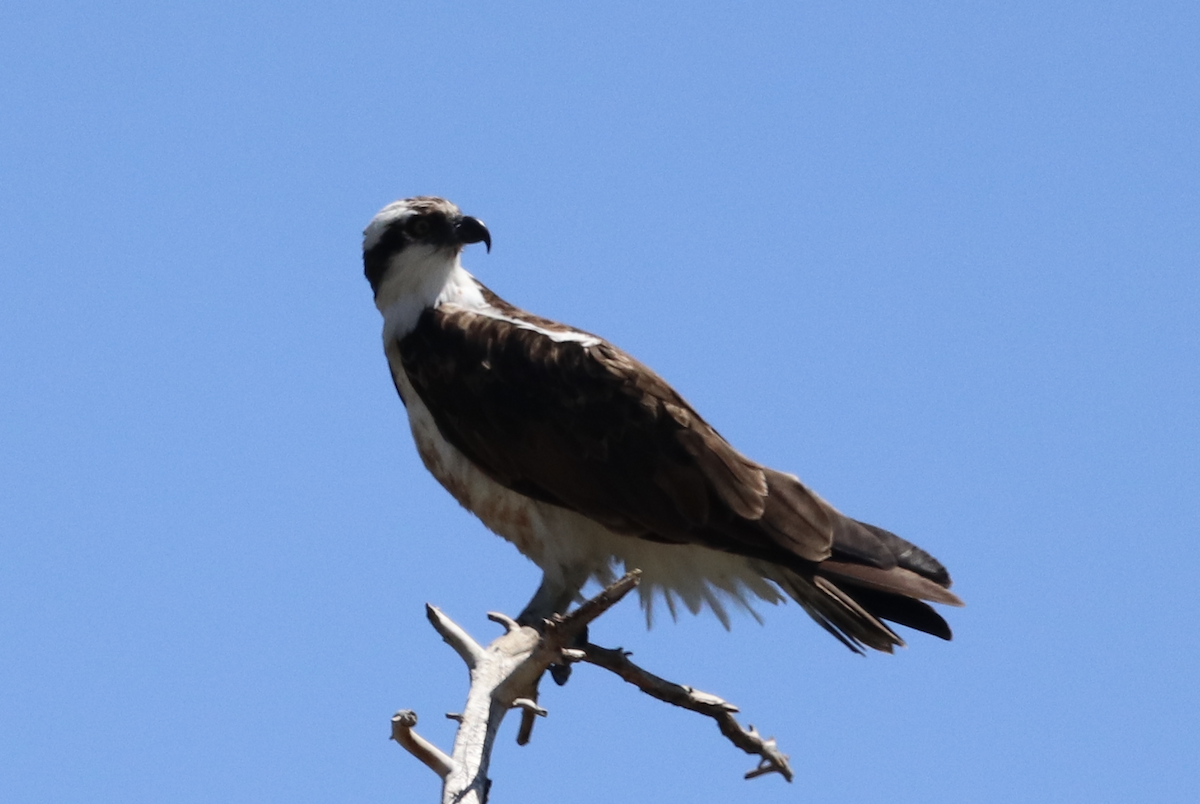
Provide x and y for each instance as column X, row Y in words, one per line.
column 525, row 732
column 569, row 626
column 505, row 676
column 455, row 637
column 508, row 622
column 508, row 669
column 530, row 712
column 402, row 732
column 617, row 661
column 529, row 705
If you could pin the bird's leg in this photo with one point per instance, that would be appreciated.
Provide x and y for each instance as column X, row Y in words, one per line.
column 554, row 596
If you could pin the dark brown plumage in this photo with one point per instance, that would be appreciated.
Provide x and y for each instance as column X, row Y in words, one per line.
column 582, row 425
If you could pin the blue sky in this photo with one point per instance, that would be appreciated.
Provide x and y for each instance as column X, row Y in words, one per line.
column 940, row 260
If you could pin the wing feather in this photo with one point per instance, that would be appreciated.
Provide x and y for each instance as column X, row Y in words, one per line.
column 583, row 425
column 564, row 417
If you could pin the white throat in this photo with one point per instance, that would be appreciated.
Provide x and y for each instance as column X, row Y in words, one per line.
column 423, row 276
column 419, row 277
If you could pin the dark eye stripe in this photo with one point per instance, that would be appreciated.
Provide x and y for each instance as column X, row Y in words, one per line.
column 432, row 228
column 375, row 259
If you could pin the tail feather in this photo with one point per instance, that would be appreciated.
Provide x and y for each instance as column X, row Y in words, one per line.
column 839, row 613
column 902, row 610
column 897, row 581
column 909, row 556
column 888, row 577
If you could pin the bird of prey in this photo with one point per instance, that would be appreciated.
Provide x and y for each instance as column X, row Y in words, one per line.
column 585, row 459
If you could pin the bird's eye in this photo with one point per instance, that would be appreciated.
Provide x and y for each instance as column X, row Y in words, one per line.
column 418, row 227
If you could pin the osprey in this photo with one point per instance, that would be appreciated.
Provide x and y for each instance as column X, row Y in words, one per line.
column 585, row 459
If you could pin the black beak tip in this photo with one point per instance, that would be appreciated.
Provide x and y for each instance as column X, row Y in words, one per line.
column 472, row 230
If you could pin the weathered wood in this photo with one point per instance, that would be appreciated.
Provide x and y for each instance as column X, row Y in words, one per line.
column 505, row 675
column 617, row 661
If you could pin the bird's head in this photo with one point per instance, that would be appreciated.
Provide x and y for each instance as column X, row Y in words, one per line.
column 416, row 238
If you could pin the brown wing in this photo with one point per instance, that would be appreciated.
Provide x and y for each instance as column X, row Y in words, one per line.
column 584, row 426
column 587, row 427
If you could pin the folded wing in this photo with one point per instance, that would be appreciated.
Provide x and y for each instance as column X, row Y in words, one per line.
column 566, row 418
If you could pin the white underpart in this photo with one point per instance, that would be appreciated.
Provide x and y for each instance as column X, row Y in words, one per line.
column 426, row 278
column 567, row 546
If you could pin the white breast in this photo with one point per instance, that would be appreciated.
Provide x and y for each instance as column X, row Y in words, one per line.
column 421, row 277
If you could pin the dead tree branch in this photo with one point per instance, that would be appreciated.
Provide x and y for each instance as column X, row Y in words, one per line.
column 617, row 661
column 505, row 675
column 402, row 732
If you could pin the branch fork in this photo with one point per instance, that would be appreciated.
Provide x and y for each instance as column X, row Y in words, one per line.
column 505, row 675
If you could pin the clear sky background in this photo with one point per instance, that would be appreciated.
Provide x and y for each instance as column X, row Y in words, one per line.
column 939, row 259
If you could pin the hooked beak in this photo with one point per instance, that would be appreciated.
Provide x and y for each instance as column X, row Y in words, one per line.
column 472, row 230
